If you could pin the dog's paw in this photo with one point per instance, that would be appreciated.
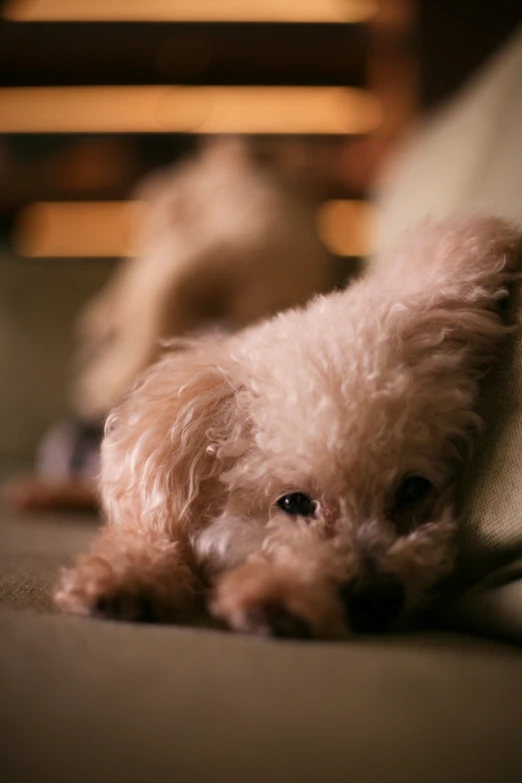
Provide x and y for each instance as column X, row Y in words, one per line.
column 134, row 576
column 264, row 617
column 256, row 598
column 131, row 607
column 92, row 588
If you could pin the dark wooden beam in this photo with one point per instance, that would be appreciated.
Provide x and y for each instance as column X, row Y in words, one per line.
column 81, row 54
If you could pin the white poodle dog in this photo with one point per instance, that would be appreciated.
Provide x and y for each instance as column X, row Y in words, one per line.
column 297, row 478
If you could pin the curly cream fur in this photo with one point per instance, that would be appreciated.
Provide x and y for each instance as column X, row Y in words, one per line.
column 340, row 400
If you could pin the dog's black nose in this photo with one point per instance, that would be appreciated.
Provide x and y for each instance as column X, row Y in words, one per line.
column 373, row 604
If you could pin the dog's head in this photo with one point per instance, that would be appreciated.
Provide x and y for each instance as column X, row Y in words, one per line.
column 327, row 439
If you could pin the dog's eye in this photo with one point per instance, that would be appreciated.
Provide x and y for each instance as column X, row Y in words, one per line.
column 297, row 504
column 412, row 489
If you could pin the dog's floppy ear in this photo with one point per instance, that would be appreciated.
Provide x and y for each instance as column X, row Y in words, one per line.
column 168, row 442
column 451, row 280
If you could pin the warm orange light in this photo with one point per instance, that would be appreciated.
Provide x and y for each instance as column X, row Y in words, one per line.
column 333, row 11
column 347, row 227
column 108, row 229
column 270, row 110
column 86, row 229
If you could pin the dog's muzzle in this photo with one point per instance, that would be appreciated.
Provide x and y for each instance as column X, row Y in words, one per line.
column 373, row 604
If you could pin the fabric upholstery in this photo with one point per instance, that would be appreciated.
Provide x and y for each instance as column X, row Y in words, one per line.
column 487, row 588
column 89, row 700
column 467, row 158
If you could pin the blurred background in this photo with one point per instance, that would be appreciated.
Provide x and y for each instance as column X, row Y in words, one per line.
column 98, row 95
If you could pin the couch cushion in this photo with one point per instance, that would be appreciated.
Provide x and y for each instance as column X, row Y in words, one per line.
column 486, row 592
column 90, row 700
column 467, row 158
column 464, row 157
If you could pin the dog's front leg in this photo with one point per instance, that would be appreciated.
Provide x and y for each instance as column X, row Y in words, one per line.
column 134, row 575
column 272, row 598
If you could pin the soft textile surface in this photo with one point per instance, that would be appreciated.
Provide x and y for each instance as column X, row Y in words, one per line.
column 467, row 158
column 489, row 575
column 86, row 700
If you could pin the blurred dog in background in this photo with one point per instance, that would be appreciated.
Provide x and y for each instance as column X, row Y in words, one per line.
column 228, row 237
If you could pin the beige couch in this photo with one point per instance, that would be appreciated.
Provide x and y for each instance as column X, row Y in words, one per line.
column 88, row 701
